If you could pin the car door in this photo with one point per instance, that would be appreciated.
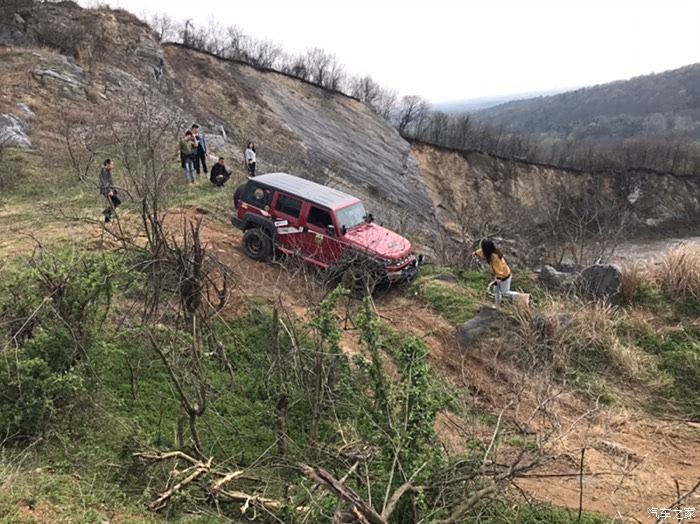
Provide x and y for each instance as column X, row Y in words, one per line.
column 320, row 245
column 287, row 213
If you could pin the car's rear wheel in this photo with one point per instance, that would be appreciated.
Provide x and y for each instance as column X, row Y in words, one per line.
column 257, row 244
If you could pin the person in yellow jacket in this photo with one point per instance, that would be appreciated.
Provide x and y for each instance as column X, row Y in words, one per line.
column 499, row 267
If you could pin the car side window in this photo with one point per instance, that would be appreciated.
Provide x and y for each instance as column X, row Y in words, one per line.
column 319, row 218
column 257, row 196
column 288, row 205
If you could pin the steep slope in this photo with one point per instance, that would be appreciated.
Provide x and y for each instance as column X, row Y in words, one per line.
column 658, row 105
column 91, row 63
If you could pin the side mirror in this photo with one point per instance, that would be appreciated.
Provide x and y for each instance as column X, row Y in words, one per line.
column 330, row 229
column 369, row 218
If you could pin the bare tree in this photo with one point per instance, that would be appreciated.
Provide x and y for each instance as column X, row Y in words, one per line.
column 412, row 109
column 262, row 53
column 164, row 27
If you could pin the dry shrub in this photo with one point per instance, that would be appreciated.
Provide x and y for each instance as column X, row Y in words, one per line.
column 678, row 273
column 635, row 277
column 575, row 336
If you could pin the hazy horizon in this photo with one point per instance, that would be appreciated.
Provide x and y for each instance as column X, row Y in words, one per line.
column 448, row 51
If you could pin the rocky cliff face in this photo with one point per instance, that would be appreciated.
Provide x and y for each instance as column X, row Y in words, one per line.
column 465, row 185
column 60, row 58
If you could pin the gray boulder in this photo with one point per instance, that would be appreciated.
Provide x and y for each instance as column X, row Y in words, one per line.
column 601, row 281
column 14, row 132
column 485, row 320
column 555, row 279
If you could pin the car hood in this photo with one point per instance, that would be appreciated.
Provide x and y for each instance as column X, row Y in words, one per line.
column 379, row 241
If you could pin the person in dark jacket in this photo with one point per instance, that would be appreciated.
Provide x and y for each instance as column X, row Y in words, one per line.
column 219, row 173
column 200, row 155
column 108, row 190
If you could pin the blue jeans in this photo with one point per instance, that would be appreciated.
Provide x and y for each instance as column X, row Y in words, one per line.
column 188, row 169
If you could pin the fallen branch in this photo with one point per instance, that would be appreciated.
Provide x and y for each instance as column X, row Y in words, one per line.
column 162, row 501
column 215, row 488
column 327, row 481
column 406, row 487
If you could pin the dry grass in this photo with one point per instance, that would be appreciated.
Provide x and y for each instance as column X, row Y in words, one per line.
column 678, row 273
column 635, row 276
column 578, row 336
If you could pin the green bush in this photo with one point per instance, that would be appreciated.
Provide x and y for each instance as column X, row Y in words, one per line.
column 51, row 308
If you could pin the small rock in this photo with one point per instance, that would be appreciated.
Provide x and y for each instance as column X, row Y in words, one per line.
column 554, row 279
column 25, row 110
column 602, row 281
column 470, row 331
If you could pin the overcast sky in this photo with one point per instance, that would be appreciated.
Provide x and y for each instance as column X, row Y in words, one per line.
column 450, row 49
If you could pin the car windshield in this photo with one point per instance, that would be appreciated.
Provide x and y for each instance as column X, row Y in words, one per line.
column 351, row 216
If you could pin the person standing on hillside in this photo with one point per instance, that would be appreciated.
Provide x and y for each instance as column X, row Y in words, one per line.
column 499, row 267
column 250, row 159
column 108, row 190
column 188, row 148
column 219, row 173
column 200, row 156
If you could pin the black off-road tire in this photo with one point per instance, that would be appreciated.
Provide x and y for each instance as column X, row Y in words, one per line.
column 257, row 244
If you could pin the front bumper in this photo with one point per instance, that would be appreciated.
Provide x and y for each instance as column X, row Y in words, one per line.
column 405, row 274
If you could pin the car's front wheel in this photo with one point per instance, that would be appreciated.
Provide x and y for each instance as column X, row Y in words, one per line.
column 257, row 244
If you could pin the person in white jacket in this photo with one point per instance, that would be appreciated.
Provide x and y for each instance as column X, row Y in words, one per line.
column 250, row 159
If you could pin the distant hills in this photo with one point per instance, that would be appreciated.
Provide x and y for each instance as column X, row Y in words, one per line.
column 475, row 104
column 663, row 105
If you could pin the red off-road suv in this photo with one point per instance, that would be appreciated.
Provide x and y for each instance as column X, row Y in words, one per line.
column 326, row 227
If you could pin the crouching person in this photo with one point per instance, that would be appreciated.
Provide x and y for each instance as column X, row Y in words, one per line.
column 219, row 173
column 501, row 272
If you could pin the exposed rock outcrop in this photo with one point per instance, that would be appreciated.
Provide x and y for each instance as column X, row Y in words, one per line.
column 62, row 76
column 14, row 132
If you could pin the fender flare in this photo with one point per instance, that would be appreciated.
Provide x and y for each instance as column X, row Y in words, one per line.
column 251, row 220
